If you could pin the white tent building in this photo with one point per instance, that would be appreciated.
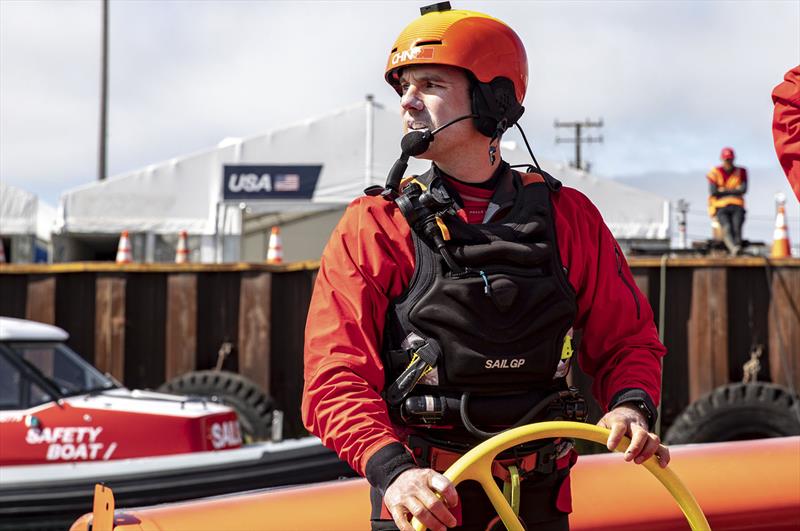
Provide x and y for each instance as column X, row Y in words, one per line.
column 300, row 177
column 25, row 225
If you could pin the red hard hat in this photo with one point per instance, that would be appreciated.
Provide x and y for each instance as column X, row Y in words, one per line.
column 727, row 154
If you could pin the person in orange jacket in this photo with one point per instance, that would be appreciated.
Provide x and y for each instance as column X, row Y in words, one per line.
column 786, row 126
column 448, row 305
column 727, row 185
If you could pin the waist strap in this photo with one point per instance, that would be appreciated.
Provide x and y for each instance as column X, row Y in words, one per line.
column 546, row 460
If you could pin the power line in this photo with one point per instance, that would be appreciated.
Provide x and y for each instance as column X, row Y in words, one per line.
column 578, row 140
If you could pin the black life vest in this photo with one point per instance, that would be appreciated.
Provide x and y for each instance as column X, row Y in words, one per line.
column 489, row 309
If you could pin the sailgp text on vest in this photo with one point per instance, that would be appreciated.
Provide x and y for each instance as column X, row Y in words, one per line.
column 505, row 363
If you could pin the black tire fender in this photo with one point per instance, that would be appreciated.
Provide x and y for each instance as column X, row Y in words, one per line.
column 252, row 405
column 738, row 411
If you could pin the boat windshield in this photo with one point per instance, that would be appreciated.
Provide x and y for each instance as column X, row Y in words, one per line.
column 61, row 366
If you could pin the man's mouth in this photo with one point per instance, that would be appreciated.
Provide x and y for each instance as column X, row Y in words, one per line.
column 417, row 125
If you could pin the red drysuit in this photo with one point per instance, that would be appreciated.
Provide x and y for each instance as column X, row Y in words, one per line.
column 369, row 261
column 786, row 126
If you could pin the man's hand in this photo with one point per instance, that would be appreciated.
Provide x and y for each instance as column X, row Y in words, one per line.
column 414, row 492
column 627, row 420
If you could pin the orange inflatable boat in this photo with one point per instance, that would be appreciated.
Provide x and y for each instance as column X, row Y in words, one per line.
column 743, row 485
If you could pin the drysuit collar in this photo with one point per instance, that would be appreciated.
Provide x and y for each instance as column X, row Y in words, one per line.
column 505, row 188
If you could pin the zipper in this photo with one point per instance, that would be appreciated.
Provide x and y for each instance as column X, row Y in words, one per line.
column 625, row 281
column 494, row 270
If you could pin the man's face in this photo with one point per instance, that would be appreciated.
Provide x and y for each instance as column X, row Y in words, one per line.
column 432, row 96
column 727, row 164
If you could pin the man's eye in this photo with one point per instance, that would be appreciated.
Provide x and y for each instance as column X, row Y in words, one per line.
column 404, row 87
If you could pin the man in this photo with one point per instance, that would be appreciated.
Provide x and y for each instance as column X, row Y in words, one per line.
column 444, row 309
column 727, row 185
column 786, row 126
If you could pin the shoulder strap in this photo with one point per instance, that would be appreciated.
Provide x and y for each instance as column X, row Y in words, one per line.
column 530, row 178
column 542, row 176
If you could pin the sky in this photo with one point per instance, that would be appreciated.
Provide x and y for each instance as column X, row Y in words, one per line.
column 673, row 81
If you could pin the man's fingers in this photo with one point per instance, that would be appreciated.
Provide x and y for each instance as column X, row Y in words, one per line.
column 437, row 507
column 638, row 441
column 624, row 420
column 414, row 491
column 617, row 431
column 443, row 486
column 651, row 445
column 663, row 455
column 421, row 512
column 399, row 513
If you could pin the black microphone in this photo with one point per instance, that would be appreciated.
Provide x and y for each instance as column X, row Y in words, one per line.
column 413, row 144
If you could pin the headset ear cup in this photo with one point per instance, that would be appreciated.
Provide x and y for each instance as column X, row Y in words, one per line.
column 484, row 122
column 506, row 100
column 502, row 107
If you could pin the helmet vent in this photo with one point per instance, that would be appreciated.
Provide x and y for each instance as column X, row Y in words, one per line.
column 429, row 43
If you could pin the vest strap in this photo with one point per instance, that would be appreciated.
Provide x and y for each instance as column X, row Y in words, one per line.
column 543, row 461
column 511, row 488
column 423, row 360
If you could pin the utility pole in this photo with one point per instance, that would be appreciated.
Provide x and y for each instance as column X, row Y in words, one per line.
column 101, row 155
column 578, row 140
column 683, row 209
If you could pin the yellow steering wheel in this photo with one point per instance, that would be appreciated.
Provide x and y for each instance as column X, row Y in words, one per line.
column 477, row 465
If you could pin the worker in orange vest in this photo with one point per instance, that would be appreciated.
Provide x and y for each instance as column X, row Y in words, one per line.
column 727, row 186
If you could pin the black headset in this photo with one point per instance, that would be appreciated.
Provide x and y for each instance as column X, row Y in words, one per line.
column 495, row 104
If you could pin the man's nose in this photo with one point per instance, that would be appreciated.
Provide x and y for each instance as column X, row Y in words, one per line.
column 411, row 99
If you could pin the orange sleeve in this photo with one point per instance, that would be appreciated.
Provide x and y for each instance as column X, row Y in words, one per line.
column 368, row 262
column 786, row 126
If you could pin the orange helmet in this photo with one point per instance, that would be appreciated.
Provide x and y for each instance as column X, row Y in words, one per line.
column 484, row 46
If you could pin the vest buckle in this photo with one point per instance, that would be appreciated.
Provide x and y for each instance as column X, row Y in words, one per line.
column 422, row 362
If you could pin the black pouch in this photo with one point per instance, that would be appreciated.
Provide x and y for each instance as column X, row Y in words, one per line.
column 496, row 325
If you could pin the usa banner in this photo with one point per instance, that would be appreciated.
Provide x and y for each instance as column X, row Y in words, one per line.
column 248, row 181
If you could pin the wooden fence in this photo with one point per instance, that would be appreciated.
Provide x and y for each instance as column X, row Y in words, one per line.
column 147, row 323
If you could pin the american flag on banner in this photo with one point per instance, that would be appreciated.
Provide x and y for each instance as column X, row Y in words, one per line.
column 289, row 182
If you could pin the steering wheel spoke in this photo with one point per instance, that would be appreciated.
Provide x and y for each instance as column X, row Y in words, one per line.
column 501, row 505
column 477, row 465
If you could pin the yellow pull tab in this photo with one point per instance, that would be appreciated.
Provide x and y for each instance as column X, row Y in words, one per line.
column 412, row 179
column 416, row 359
column 443, row 228
column 511, row 488
column 566, row 350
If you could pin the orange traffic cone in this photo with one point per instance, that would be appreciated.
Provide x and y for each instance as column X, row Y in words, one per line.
column 124, row 255
column 182, row 252
column 780, row 240
column 275, row 248
column 2, row 252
